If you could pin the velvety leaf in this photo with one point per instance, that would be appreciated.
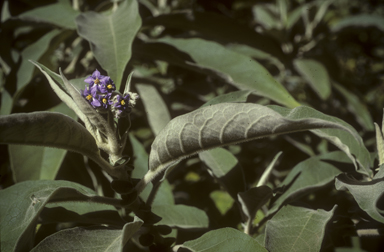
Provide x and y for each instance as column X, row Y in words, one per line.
column 316, row 75
column 181, row 216
column 349, row 142
column 33, row 162
column 224, row 240
column 21, row 204
column 90, row 239
column 366, row 194
column 297, row 229
column 33, row 52
column 240, row 70
column 155, row 107
column 379, row 144
column 237, row 96
column 304, row 177
column 111, row 36
column 60, row 13
column 210, row 25
column 361, row 20
column 57, row 84
column 356, row 107
column 253, row 199
column 224, row 124
column 47, row 129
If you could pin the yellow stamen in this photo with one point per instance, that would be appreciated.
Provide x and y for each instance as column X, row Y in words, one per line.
column 104, row 101
column 97, row 81
column 122, row 102
column 109, row 86
column 89, row 97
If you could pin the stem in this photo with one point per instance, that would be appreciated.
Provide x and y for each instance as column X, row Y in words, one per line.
column 117, row 172
column 153, row 193
column 148, row 177
column 248, row 227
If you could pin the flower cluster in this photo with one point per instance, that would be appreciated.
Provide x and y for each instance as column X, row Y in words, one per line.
column 102, row 95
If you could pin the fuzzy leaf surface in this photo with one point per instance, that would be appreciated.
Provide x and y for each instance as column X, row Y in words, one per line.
column 60, row 13
column 241, row 71
column 224, row 240
column 47, row 129
column 21, row 204
column 111, row 36
column 98, row 240
column 297, row 229
column 224, row 124
column 366, row 194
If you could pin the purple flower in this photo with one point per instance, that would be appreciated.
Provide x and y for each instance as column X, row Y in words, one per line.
column 105, row 100
column 96, row 78
column 92, row 97
column 120, row 105
column 107, row 87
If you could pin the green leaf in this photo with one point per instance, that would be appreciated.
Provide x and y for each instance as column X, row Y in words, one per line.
column 237, row 96
column 356, row 107
column 47, row 129
column 60, row 14
column 225, row 124
column 21, row 204
column 366, row 194
column 92, row 240
column 224, row 240
column 297, row 229
column 361, row 20
column 379, row 144
column 57, row 84
column 219, row 160
column 34, row 163
column 241, row 71
column 305, row 177
column 33, row 52
column 111, row 36
column 210, row 25
column 222, row 200
column 181, row 216
column 155, row 107
column 6, row 103
column 225, row 168
column 348, row 141
column 253, row 199
column 316, row 75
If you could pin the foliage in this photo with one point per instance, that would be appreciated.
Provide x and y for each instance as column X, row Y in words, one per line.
column 143, row 125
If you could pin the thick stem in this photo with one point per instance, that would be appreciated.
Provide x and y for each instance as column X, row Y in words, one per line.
column 153, row 193
column 148, row 177
column 248, row 227
column 117, row 172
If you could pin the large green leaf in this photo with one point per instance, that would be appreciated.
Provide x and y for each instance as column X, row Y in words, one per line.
column 224, row 124
column 367, row 194
column 304, row 177
column 316, row 75
column 61, row 14
column 361, row 20
column 33, row 52
column 156, row 109
column 297, row 229
column 210, row 25
column 356, row 107
column 34, row 162
column 349, row 142
column 47, row 129
column 181, row 216
column 111, row 36
column 224, row 240
column 21, row 204
column 92, row 240
column 240, row 70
